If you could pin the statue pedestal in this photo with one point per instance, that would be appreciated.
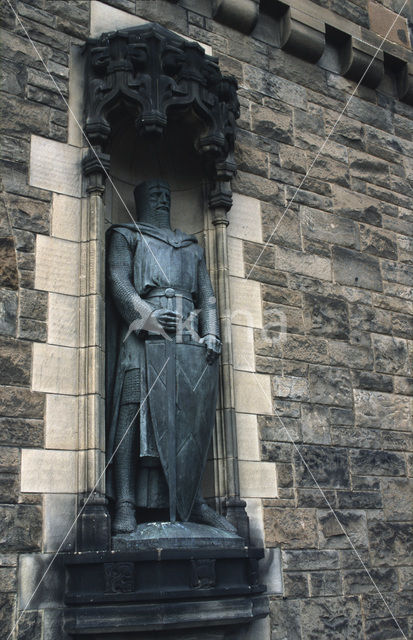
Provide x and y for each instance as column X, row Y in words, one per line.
column 177, row 535
column 170, row 581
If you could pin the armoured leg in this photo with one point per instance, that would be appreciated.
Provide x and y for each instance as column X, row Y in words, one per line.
column 203, row 514
column 125, row 463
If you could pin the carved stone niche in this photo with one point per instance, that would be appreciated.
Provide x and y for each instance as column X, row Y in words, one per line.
column 158, row 107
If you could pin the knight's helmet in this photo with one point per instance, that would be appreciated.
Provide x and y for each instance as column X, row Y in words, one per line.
column 145, row 210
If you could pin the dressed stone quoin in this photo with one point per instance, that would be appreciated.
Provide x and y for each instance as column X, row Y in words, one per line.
column 162, row 368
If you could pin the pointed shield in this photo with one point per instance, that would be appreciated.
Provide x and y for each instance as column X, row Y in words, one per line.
column 183, row 451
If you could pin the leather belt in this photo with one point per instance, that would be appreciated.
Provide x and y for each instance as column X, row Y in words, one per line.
column 169, row 292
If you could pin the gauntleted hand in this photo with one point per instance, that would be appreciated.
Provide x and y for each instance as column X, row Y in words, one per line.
column 213, row 346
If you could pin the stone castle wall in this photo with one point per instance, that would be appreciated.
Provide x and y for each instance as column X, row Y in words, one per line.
column 324, row 408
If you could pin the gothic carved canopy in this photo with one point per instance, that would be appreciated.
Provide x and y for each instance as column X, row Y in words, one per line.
column 156, row 75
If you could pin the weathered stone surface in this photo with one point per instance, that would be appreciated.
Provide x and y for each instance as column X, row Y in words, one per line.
column 332, row 619
column 7, row 603
column 377, row 463
column 8, row 263
column 372, row 381
column 356, row 269
column 391, row 543
column 327, row 466
column 310, row 559
column 309, row 349
column 18, row 401
column 360, row 582
column 330, row 385
column 333, row 229
column 8, row 312
column 391, row 355
column 30, row 626
column 325, row 583
column 326, row 316
column 295, row 585
column 20, row 528
column 382, row 410
column 315, row 424
column 15, row 360
column 291, row 528
column 338, row 529
column 343, row 354
column 285, row 615
column 378, row 244
column 397, row 498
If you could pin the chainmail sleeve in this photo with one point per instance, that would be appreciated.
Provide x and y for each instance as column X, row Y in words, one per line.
column 120, row 269
column 208, row 316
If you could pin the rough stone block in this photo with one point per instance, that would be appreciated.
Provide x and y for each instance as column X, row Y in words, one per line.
column 343, row 354
column 290, row 387
column 315, row 424
column 377, row 463
column 325, row 583
column 295, row 585
column 357, row 206
column 305, row 348
column 275, row 87
column 291, row 528
column 382, row 410
column 372, row 381
column 338, row 529
column 15, row 360
column 388, row 23
column 330, row 228
column 20, row 528
column 7, row 605
column 356, row 269
column 332, row 618
column 391, row 543
column 285, row 614
column 324, row 465
column 378, row 243
column 391, row 355
column 310, row 560
column 397, row 498
column 326, row 316
column 330, row 385
column 55, row 166
column 8, row 312
column 307, row 264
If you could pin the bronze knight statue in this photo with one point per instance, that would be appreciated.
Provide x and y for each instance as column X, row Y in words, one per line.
column 162, row 367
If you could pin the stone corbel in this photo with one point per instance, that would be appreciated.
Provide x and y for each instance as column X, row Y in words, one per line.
column 305, row 40
column 358, row 56
column 238, row 14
